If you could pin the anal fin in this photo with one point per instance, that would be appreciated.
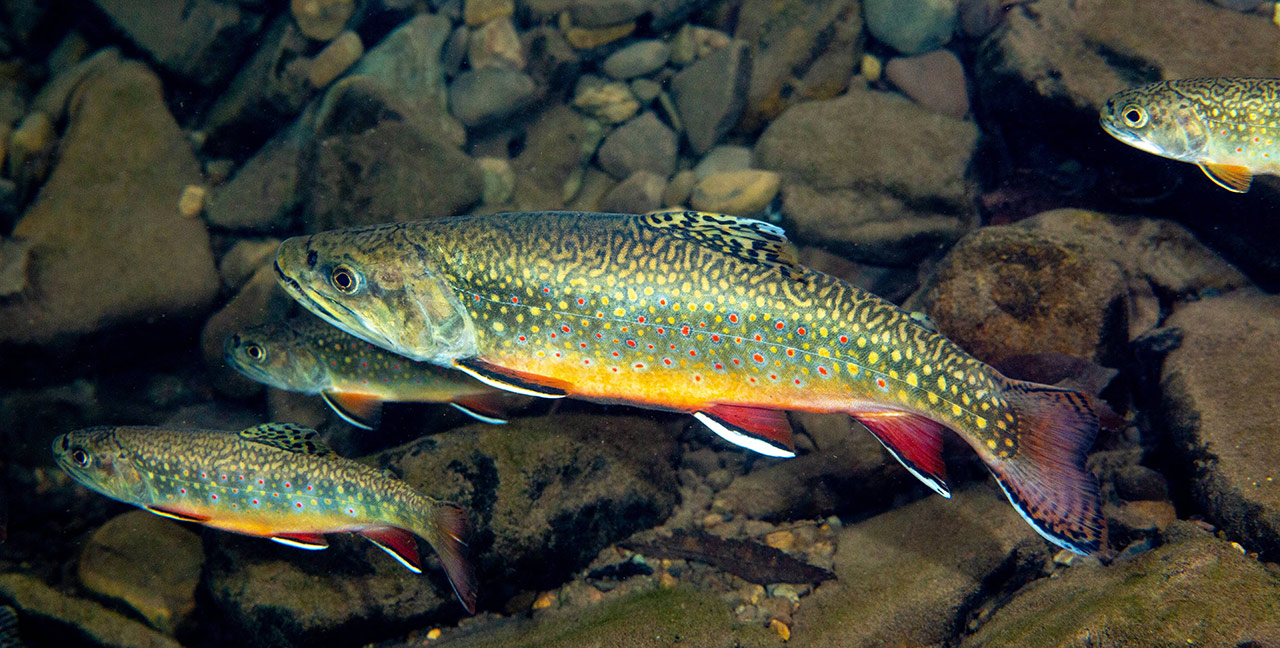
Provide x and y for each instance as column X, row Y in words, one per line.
column 511, row 380
column 360, row 410
column 1232, row 177
column 488, row 408
column 913, row 440
column 763, row 430
column 308, row 541
column 174, row 514
column 400, row 544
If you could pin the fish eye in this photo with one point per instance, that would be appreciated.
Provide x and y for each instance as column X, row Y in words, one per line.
column 345, row 280
column 80, row 457
column 255, row 351
column 1134, row 116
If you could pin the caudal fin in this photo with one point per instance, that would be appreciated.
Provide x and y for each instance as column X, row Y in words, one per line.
column 1046, row 477
column 446, row 526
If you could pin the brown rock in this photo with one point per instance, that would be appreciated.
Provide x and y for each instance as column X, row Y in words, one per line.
column 934, row 80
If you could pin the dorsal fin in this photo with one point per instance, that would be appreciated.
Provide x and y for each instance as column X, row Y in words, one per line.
column 287, row 436
column 748, row 239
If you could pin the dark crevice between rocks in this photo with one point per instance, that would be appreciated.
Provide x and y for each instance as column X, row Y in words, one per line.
column 1024, row 564
column 1134, row 69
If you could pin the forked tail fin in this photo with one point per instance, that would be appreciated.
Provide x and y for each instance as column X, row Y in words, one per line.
column 445, row 527
column 1046, row 478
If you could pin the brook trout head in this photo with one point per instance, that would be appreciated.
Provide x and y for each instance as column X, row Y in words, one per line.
column 1157, row 119
column 96, row 458
column 376, row 285
column 274, row 354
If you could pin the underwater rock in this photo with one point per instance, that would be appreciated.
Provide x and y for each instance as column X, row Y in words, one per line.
column 1202, row 592
column 1073, row 56
column 913, row 26
column 71, row 621
column 711, row 93
column 1006, row 291
column 723, row 159
column 891, row 191
column 55, row 95
column 13, row 266
column 264, row 194
column 334, row 59
column 495, row 44
column 602, row 13
column 1217, row 405
column 642, row 144
column 479, row 12
column 637, row 59
column 269, row 89
column 679, row 188
column 558, row 142
column 321, row 19
column 150, row 563
column 108, row 245
column 544, row 496
column 739, row 193
column 797, row 46
column 244, row 258
column 498, row 179
column 907, row 577
column 934, row 80
column 376, row 176
column 638, row 194
column 611, row 103
column 477, row 97
column 199, row 41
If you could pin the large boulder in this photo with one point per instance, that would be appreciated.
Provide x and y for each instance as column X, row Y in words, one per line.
column 890, row 192
column 108, row 244
column 1201, row 592
column 544, row 496
column 72, row 621
column 1217, row 406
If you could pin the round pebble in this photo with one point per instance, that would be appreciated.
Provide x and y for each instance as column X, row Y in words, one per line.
column 496, row 44
column 499, row 180
column 911, row 26
column 191, row 202
column 321, row 19
column 872, row 68
column 479, row 12
column 934, row 80
column 611, row 103
column 739, row 193
column 637, row 59
column 679, row 189
column 335, row 58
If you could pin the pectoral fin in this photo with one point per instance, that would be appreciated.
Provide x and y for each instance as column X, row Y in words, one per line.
column 913, row 440
column 359, row 410
column 766, row 431
column 489, row 408
column 176, row 515
column 1231, row 177
column 513, row 381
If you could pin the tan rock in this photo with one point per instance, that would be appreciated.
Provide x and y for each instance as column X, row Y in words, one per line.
column 322, row 19
column 335, row 59
column 588, row 38
column 736, row 192
column 479, row 12
column 496, row 44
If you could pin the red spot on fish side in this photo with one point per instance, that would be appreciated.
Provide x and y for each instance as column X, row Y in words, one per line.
column 779, row 326
column 693, row 352
column 697, row 378
column 733, row 318
column 553, row 335
column 286, row 485
column 565, row 328
column 773, row 376
column 557, row 354
column 719, row 366
column 715, row 338
column 615, row 354
column 308, row 488
column 599, row 336
column 650, row 346
column 586, row 361
column 757, row 357
column 662, row 302
column 666, row 361
column 582, row 345
column 182, row 490
column 752, row 379
column 641, row 319
column 581, row 301
column 515, row 300
column 255, row 502
column 396, row 367
column 758, row 337
column 797, row 381
column 614, row 369
column 639, row 365
column 822, row 370
column 213, row 496
column 672, row 347
column 261, row 482
column 844, row 339
column 299, row 504
column 737, row 362
column 737, row 340
column 881, row 383
column 631, row 343
column 1239, row 150
column 546, row 290
column 364, row 364
column 791, row 353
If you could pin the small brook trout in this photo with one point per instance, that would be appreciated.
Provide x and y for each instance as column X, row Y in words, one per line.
column 698, row 313
column 1229, row 127
column 354, row 377
column 274, row 481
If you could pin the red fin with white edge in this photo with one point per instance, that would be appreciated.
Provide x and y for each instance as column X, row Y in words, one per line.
column 489, row 408
column 913, row 440
column 1046, row 479
column 763, row 430
column 397, row 542
column 174, row 514
column 445, row 528
column 308, row 541
column 360, row 410
column 511, row 380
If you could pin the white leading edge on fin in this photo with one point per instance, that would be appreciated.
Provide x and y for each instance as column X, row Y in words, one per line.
column 395, row 555
column 936, row 486
column 301, row 545
column 737, row 438
column 483, row 418
column 501, row 385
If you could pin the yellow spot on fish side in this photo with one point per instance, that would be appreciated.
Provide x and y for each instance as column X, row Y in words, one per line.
column 981, row 422
column 991, row 444
column 498, row 326
column 911, row 380
column 955, row 409
column 873, row 357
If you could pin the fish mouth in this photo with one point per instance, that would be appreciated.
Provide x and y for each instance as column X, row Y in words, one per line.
column 337, row 314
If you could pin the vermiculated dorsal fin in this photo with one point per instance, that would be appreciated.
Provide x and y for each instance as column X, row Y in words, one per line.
column 748, row 239
column 287, row 436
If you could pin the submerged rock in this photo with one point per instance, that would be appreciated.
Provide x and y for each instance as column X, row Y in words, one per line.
column 711, row 93
column 1202, row 592
column 642, row 144
column 890, row 189
column 108, row 245
column 908, row 576
column 150, row 563
column 912, row 26
column 544, row 496
column 1216, row 403
column 72, row 621
column 477, row 97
